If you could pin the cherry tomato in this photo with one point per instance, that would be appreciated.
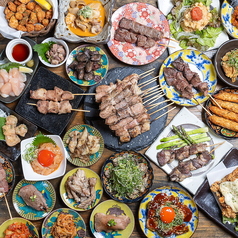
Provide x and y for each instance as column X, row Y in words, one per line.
column 45, row 158
column 167, row 214
column 196, row 14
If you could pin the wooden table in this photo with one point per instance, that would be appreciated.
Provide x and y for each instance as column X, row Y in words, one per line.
column 206, row 227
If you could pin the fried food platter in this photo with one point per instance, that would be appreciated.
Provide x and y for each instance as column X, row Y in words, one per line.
column 198, row 62
column 145, row 14
column 110, row 140
column 217, row 129
column 206, row 201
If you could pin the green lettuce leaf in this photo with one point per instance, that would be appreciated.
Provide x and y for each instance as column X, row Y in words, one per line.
column 42, row 48
column 10, row 65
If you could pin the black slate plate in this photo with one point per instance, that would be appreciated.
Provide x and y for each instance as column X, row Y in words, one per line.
column 220, row 131
column 28, row 76
column 111, row 141
column 13, row 152
column 206, row 200
column 53, row 123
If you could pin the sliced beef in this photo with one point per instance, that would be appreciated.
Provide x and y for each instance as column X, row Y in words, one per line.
column 33, row 197
column 178, row 64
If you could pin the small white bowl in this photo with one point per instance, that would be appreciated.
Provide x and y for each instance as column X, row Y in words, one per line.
column 9, row 49
column 60, row 42
column 30, row 174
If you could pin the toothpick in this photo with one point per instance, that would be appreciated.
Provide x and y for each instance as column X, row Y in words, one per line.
column 164, row 114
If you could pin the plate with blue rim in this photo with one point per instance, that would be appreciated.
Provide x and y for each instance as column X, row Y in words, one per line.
column 106, row 207
column 93, row 158
column 184, row 198
column 226, row 15
column 102, row 71
column 52, row 218
column 29, row 224
column 198, row 62
column 70, row 202
column 27, row 212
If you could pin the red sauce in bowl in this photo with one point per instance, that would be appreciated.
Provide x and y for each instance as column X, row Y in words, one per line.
column 20, row 52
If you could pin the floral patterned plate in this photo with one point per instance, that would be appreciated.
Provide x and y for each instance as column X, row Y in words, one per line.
column 8, row 222
column 198, row 62
column 145, row 14
column 48, row 192
column 10, row 173
column 184, row 198
column 94, row 157
column 52, row 218
column 106, row 208
column 71, row 202
column 101, row 71
column 226, row 13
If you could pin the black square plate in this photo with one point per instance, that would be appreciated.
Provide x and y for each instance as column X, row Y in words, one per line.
column 13, row 152
column 206, row 201
column 53, row 123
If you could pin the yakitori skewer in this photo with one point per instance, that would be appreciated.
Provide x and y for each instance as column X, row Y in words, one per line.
column 163, row 114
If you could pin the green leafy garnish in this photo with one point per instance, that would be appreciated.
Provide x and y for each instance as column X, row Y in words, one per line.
column 86, row 11
column 2, row 123
column 111, row 222
column 42, row 48
column 30, row 152
column 9, row 66
column 33, row 198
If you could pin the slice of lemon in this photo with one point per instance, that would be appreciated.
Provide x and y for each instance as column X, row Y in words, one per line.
column 44, row 4
column 26, row 70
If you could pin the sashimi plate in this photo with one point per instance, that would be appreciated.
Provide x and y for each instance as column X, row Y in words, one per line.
column 198, row 62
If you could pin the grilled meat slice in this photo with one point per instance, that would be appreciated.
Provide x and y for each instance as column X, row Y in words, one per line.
column 3, row 182
column 33, row 197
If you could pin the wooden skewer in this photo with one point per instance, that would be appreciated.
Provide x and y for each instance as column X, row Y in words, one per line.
column 8, row 208
column 149, row 73
column 78, row 110
column 156, row 97
column 156, row 104
column 164, row 114
column 203, row 107
column 152, row 79
column 171, row 39
column 217, row 147
column 146, row 72
column 166, row 45
column 161, row 109
column 213, row 99
column 151, row 89
column 215, row 144
column 84, row 94
column 151, row 94
column 148, row 82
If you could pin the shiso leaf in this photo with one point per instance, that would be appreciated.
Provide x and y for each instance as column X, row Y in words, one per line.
column 9, row 66
column 41, row 139
column 2, row 123
column 42, row 48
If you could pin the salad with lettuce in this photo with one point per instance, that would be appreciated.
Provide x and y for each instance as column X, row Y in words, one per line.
column 201, row 40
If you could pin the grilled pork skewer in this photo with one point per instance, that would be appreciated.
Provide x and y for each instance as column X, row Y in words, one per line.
column 62, row 107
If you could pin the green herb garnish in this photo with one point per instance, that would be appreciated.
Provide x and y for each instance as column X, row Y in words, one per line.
column 10, row 65
column 33, row 197
column 42, row 48
column 86, row 11
column 111, row 222
column 2, row 123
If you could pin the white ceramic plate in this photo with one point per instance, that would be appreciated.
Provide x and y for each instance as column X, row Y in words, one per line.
column 192, row 183
column 165, row 8
column 29, row 173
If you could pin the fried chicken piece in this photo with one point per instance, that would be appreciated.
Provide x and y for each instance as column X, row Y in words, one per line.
column 31, row 5
column 45, row 22
column 18, row 3
column 6, row 10
column 40, row 15
column 21, row 8
column 39, row 27
column 21, row 28
column 18, row 16
column 33, row 18
column 38, row 8
column 30, row 27
column 27, row 13
column 24, row 21
column 9, row 15
column 12, row 6
column 48, row 14
column 13, row 22
column 24, row 1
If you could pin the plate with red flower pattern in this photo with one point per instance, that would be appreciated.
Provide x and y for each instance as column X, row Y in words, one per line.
column 144, row 14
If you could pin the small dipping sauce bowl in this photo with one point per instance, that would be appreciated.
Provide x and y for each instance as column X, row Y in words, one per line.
column 19, row 51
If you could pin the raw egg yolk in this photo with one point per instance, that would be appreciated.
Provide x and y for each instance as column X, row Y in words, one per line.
column 45, row 158
column 167, row 214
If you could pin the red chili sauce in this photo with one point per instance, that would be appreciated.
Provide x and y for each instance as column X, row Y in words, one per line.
column 196, row 14
column 20, row 52
column 154, row 206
